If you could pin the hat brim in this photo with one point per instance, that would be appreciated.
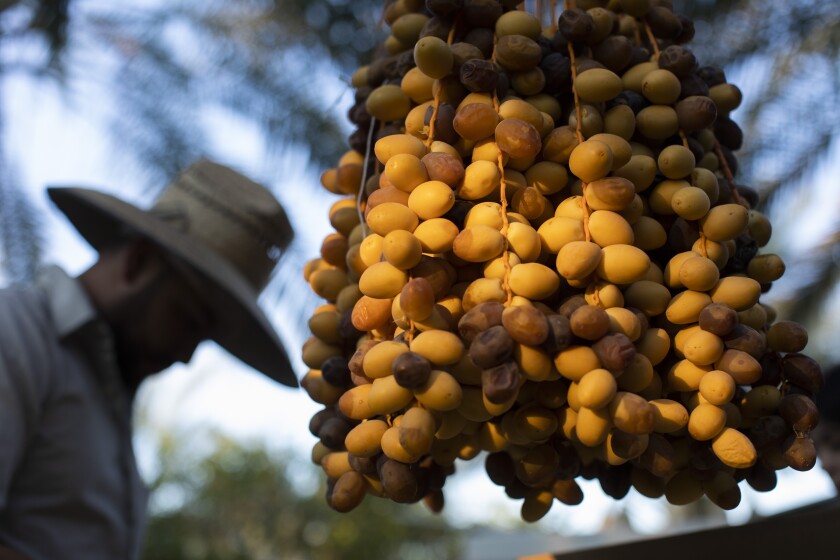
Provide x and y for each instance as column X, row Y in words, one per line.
column 101, row 219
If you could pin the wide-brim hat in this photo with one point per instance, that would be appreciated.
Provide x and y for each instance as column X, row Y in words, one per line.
column 225, row 233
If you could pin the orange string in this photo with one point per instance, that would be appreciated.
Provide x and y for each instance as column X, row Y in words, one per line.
column 579, row 131
column 429, row 141
column 504, row 231
column 503, row 201
column 637, row 36
column 699, row 229
column 437, row 91
column 652, row 39
column 554, row 16
column 727, row 172
column 578, row 112
column 435, row 107
column 451, row 36
column 703, row 250
column 596, row 296
column 409, row 334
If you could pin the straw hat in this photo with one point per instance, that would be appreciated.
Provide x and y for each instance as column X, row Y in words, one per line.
column 225, row 233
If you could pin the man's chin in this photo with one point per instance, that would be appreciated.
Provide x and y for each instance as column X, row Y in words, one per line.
column 139, row 371
column 153, row 368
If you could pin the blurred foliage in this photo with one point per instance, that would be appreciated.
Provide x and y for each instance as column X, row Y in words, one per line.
column 161, row 67
column 20, row 227
column 787, row 57
column 241, row 502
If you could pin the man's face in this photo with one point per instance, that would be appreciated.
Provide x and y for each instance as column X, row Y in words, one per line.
column 158, row 324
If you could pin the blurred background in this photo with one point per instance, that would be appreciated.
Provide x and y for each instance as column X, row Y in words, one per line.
column 122, row 95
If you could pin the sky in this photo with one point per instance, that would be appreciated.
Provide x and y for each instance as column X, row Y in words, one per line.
column 54, row 145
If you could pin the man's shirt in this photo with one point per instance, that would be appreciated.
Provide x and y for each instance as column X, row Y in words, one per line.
column 69, row 486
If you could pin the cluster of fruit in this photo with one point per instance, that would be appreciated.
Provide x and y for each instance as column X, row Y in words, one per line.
column 542, row 253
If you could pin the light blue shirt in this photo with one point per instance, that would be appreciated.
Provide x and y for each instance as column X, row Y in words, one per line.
column 69, row 486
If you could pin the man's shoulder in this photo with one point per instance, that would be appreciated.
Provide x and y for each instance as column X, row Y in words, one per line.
column 24, row 316
column 22, row 298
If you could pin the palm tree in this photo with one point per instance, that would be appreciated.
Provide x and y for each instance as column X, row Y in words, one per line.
column 161, row 66
column 245, row 502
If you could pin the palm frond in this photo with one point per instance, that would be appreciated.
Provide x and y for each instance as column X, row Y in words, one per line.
column 20, row 229
column 813, row 278
column 784, row 56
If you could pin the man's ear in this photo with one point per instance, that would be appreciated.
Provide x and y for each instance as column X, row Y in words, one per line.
column 140, row 262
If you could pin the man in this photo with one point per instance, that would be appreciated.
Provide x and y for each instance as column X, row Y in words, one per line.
column 827, row 434
column 74, row 351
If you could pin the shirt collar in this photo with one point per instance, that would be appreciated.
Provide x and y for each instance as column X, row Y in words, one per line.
column 69, row 303
column 75, row 318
